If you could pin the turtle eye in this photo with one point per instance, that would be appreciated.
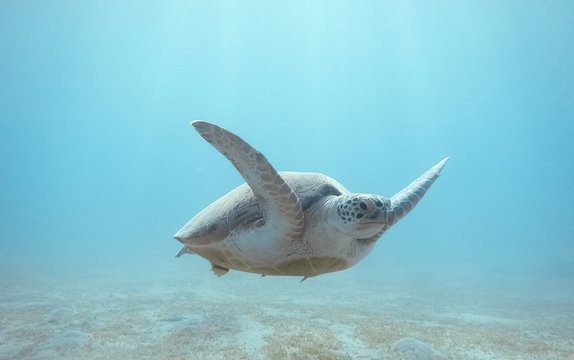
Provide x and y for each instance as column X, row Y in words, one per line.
column 367, row 205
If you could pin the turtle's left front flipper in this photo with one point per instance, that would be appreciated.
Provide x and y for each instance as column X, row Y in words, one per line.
column 279, row 203
column 406, row 199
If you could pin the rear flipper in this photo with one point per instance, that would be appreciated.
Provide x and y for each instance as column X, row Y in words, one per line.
column 219, row 270
column 184, row 250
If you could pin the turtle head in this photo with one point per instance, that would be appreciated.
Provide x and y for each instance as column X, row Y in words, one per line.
column 362, row 215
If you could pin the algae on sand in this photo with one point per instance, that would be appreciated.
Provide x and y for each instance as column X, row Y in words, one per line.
column 244, row 317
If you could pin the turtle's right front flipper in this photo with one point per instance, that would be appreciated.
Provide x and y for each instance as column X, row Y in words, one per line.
column 406, row 199
column 279, row 203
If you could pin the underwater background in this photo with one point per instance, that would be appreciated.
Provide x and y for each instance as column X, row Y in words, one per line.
column 99, row 168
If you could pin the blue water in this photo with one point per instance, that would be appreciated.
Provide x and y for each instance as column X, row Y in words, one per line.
column 99, row 167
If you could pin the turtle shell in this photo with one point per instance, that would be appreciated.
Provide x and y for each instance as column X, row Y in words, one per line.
column 239, row 210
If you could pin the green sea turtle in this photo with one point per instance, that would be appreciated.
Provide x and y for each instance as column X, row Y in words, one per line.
column 289, row 223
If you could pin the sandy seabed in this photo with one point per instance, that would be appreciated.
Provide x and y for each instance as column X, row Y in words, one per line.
column 243, row 316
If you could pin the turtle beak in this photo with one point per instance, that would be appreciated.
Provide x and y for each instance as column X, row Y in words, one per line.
column 366, row 230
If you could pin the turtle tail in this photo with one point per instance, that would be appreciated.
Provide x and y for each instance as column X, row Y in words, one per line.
column 406, row 199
